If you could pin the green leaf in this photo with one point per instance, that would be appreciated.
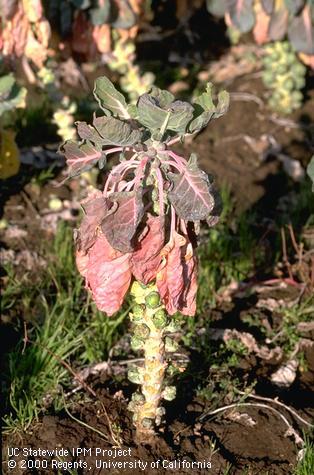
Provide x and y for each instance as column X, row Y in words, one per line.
column 192, row 193
column 217, row 7
column 132, row 110
column 119, row 226
column 278, row 22
column 80, row 157
column 87, row 132
column 100, row 15
column 268, row 6
column 111, row 101
column 115, row 132
column 205, row 109
column 242, row 14
column 6, row 84
column 11, row 95
column 310, row 171
column 164, row 98
column 301, row 32
column 123, row 15
column 156, row 111
column 294, row 6
column 8, row 8
column 81, row 4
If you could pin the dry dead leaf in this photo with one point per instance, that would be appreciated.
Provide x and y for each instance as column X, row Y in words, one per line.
column 260, row 30
column 273, row 304
column 305, row 326
column 241, row 417
column 102, row 37
column 240, row 60
column 33, row 10
column 286, row 374
column 292, row 433
column 29, row 260
column 292, row 167
column 248, row 340
column 14, row 232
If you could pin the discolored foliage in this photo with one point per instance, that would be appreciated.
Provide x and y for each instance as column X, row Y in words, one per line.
column 154, row 197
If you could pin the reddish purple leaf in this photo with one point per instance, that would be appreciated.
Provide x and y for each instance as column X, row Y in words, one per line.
column 169, row 279
column 278, row 22
column 192, row 194
column 146, row 258
column 87, row 132
column 82, row 262
column 241, row 14
column 268, row 6
column 188, row 301
column 120, row 224
column 301, row 32
column 95, row 207
column 80, row 158
column 107, row 273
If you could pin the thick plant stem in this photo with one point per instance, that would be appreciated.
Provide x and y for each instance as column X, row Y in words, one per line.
column 153, row 376
column 149, row 320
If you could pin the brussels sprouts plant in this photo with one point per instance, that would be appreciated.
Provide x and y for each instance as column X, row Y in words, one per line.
column 270, row 20
column 139, row 233
column 310, row 171
column 284, row 75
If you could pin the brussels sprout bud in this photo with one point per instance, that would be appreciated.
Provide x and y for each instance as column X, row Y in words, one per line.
column 169, row 393
column 288, row 85
column 132, row 406
column 160, row 319
column 141, row 331
column 172, row 370
column 147, row 423
column 285, row 46
column 170, row 345
column 290, row 58
column 138, row 398
column 299, row 82
column 267, row 61
column 281, row 69
column 159, row 414
column 297, row 96
column 135, row 376
column 173, row 326
column 277, row 95
column 154, row 195
column 161, row 411
column 275, row 56
column 138, row 312
column 152, row 300
column 298, row 69
column 137, row 343
column 268, row 77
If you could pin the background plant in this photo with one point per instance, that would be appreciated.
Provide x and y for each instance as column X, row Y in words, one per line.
column 270, row 20
column 11, row 97
column 284, row 75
